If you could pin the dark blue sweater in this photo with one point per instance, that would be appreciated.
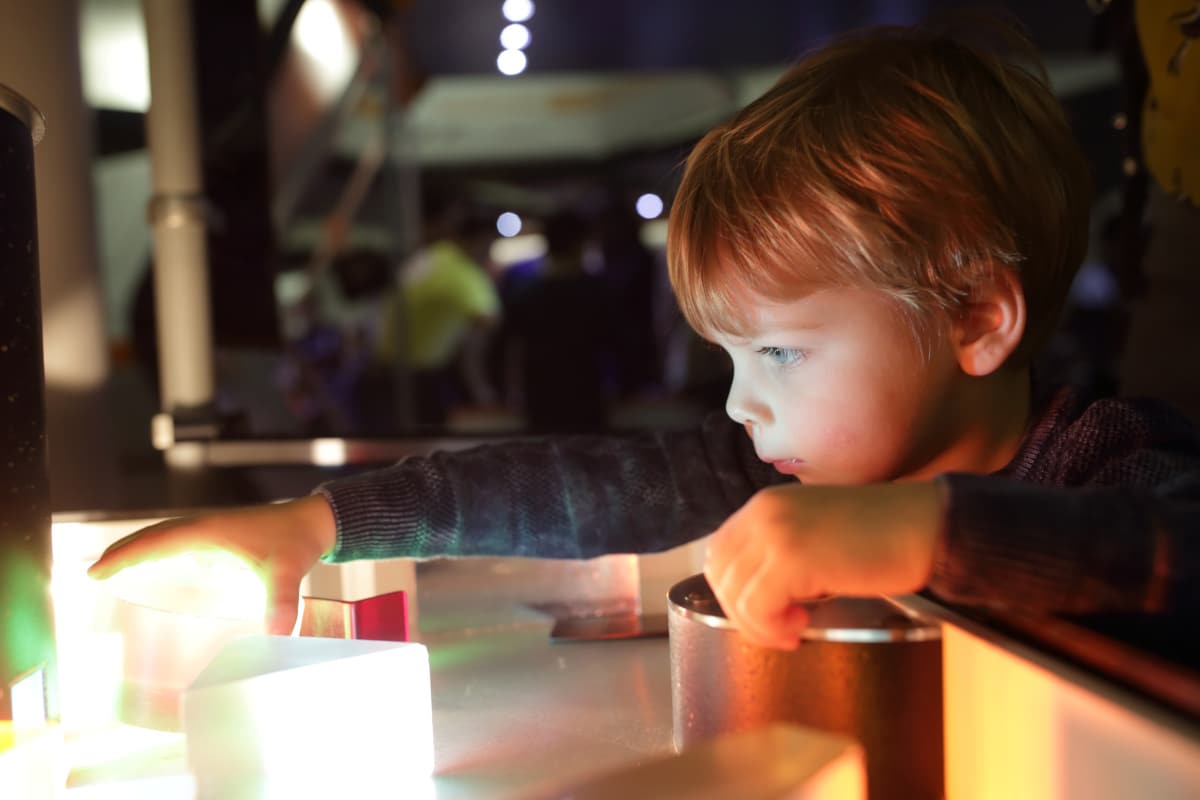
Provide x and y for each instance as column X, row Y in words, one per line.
column 1098, row 511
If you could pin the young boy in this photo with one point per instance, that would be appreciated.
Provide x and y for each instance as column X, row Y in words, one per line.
column 881, row 243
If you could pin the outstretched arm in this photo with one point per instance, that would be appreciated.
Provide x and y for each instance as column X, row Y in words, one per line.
column 554, row 497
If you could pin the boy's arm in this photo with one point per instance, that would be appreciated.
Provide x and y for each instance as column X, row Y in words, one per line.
column 1071, row 550
column 553, row 497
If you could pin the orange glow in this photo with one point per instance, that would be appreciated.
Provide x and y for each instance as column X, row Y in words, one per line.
column 1023, row 726
column 1000, row 736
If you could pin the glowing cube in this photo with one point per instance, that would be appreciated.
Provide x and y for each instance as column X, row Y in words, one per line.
column 310, row 706
column 174, row 615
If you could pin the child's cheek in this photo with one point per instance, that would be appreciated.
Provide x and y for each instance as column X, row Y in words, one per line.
column 841, row 440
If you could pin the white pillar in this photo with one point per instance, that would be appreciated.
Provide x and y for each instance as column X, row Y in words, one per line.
column 177, row 210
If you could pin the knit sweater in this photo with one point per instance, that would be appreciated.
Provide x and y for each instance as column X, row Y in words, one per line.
column 1098, row 511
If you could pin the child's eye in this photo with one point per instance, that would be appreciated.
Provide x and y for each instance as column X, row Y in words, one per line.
column 783, row 356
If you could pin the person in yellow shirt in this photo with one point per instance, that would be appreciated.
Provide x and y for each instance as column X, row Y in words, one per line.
column 1164, row 318
column 1168, row 30
column 438, row 320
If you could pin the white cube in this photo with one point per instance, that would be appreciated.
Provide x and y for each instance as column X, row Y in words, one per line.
column 310, row 706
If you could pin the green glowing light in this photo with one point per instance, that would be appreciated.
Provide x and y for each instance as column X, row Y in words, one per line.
column 26, row 620
column 209, row 584
column 447, row 655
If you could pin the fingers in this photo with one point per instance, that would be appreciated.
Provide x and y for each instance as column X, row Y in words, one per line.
column 280, row 543
column 752, row 593
column 283, row 599
column 281, row 616
column 163, row 539
column 796, row 618
column 723, row 548
column 757, row 574
column 757, row 600
column 769, row 611
column 727, row 580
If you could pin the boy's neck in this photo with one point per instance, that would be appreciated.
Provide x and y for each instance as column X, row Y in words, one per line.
column 993, row 414
column 1004, row 399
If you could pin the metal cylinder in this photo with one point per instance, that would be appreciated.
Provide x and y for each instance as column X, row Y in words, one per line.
column 865, row 668
column 27, row 652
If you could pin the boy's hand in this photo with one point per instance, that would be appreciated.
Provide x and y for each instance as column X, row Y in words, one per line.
column 281, row 542
column 793, row 543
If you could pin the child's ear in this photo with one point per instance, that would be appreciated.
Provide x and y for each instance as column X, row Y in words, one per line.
column 990, row 325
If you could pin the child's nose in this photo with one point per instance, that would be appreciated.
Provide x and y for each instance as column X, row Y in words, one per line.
column 744, row 408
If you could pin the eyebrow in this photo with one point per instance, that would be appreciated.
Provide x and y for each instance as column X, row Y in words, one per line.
column 791, row 327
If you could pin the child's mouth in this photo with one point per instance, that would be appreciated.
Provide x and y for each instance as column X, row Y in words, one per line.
column 788, row 466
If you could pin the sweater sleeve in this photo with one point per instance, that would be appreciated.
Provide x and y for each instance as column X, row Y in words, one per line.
column 1074, row 550
column 552, row 497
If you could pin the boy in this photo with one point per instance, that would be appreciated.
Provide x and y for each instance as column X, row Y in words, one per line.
column 881, row 243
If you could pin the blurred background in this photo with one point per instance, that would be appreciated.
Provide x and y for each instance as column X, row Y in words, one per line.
column 441, row 217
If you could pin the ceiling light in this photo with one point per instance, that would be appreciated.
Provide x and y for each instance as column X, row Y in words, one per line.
column 508, row 224
column 322, row 37
column 511, row 62
column 514, row 37
column 649, row 206
column 517, row 10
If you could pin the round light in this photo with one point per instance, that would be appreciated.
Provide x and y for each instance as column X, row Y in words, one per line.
column 515, row 37
column 331, row 54
column 508, row 224
column 511, row 62
column 517, row 10
column 649, row 206
column 198, row 583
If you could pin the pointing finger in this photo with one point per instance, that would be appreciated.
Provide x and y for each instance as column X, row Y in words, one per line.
column 283, row 602
column 163, row 539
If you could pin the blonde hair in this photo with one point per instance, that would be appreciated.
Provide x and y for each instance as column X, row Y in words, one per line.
column 895, row 158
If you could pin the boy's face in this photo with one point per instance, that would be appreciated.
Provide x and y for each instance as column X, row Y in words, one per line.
column 833, row 389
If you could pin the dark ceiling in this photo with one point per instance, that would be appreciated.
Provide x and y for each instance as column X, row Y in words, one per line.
column 461, row 36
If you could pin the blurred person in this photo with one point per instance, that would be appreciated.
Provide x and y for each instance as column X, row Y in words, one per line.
column 559, row 329
column 326, row 372
column 438, row 319
column 630, row 272
column 1160, row 257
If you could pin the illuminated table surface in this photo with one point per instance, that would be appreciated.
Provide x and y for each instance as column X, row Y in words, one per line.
column 517, row 715
column 514, row 713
